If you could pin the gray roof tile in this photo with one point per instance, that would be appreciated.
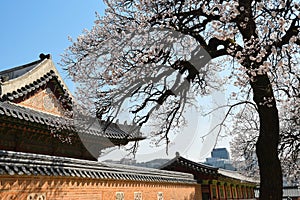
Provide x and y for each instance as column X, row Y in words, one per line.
column 18, row 71
column 42, row 81
column 12, row 110
column 12, row 163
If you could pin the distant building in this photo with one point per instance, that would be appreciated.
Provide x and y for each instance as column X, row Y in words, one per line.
column 156, row 163
column 220, row 153
column 220, row 158
column 127, row 161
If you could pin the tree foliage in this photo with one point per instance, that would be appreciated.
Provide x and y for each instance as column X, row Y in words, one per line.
column 112, row 62
column 245, row 132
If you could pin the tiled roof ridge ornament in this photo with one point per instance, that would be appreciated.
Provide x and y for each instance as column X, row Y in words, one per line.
column 132, row 128
column 31, row 77
column 4, row 78
column 45, row 56
column 16, row 72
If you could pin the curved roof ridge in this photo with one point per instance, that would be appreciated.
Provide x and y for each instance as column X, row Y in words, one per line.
column 38, row 164
column 15, row 72
column 20, row 112
column 236, row 175
column 30, row 74
column 185, row 161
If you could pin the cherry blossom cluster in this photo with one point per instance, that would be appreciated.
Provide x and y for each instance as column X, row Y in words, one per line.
column 133, row 52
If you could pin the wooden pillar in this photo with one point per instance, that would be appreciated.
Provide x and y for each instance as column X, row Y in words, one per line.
column 214, row 191
column 234, row 191
column 221, row 192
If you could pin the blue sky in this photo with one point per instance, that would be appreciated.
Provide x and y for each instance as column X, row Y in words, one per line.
column 31, row 27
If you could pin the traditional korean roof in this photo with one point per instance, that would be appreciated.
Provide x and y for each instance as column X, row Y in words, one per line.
column 19, row 82
column 15, row 72
column 200, row 171
column 236, row 175
column 291, row 191
column 34, row 97
column 15, row 163
column 203, row 172
column 24, row 114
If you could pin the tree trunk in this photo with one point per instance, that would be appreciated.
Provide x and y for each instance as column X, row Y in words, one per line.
column 268, row 140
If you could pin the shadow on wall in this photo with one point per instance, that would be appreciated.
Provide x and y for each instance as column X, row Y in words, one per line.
column 15, row 188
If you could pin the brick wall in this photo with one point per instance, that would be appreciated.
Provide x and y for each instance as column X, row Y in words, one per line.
column 52, row 188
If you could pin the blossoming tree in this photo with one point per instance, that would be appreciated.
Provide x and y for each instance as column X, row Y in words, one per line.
column 155, row 54
column 246, row 131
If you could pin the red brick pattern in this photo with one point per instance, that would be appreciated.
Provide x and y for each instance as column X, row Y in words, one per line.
column 44, row 101
column 65, row 188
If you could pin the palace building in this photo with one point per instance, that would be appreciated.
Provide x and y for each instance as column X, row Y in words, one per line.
column 34, row 102
column 216, row 183
column 46, row 154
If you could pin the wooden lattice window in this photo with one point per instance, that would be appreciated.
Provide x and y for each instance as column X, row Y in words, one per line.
column 120, row 196
column 138, row 196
